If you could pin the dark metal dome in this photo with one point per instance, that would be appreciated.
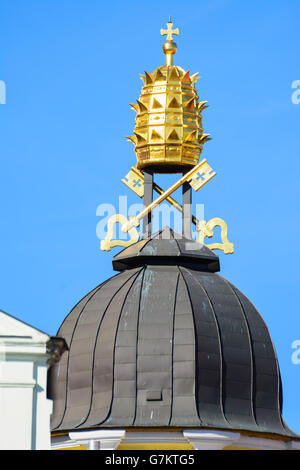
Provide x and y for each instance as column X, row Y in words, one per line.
column 167, row 247
column 167, row 342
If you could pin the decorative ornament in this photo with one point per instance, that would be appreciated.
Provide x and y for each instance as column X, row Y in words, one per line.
column 168, row 138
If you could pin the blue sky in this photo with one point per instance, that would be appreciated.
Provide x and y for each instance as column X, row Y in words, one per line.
column 71, row 68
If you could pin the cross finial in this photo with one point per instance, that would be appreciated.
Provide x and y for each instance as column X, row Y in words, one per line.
column 169, row 32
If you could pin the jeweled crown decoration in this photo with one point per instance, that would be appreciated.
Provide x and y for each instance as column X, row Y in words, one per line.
column 168, row 133
column 168, row 138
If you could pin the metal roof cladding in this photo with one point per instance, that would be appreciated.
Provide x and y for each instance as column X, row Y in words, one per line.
column 167, row 342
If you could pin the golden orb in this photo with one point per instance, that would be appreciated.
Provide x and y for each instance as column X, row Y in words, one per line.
column 170, row 47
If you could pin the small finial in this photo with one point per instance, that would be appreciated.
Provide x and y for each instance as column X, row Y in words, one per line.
column 169, row 32
column 169, row 46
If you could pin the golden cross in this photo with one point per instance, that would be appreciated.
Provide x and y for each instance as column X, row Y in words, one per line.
column 169, row 32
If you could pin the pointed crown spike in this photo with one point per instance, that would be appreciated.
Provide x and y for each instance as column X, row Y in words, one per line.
column 134, row 106
column 140, row 138
column 143, row 78
column 186, row 77
column 202, row 105
column 131, row 138
column 204, row 138
column 194, row 78
column 159, row 76
column 190, row 104
column 149, row 79
column 191, row 136
column 142, row 107
column 173, row 75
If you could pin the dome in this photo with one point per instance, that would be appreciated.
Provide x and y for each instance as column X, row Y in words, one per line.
column 166, row 247
column 167, row 342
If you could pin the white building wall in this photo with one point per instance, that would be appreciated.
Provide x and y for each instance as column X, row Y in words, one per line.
column 24, row 407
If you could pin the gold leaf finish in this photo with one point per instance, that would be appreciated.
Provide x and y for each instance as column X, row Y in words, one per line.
column 188, row 177
column 168, row 138
column 149, row 79
column 135, row 181
column 200, row 177
column 109, row 243
column 169, row 32
column 167, row 107
column 168, row 124
column 186, row 78
column 205, row 229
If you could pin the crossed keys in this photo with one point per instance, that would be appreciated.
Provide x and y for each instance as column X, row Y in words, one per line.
column 197, row 177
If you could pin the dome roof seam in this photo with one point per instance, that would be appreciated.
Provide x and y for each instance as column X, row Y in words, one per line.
column 72, row 336
column 221, row 397
column 137, row 344
column 134, row 275
column 96, row 291
column 140, row 273
column 279, row 385
column 195, row 336
column 251, row 349
column 179, row 251
column 173, row 333
column 89, row 294
column 145, row 244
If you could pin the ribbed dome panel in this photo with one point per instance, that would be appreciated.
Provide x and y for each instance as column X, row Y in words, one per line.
column 167, row 345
